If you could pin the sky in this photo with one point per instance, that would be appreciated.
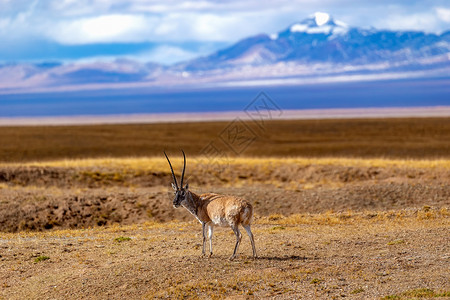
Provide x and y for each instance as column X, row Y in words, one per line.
column 170, row 31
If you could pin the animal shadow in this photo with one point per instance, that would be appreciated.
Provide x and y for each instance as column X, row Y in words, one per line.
column 284, row 258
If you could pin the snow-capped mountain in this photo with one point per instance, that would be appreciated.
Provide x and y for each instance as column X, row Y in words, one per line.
column 321, row 39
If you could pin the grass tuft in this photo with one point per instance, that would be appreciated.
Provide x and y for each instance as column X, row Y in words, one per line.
column 357, row 291
column 41, row 258
column 122, row 239
column 278, row 228
column 418, row 293
column 396, row 242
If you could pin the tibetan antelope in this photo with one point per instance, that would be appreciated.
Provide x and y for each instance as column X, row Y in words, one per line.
column 213, row 209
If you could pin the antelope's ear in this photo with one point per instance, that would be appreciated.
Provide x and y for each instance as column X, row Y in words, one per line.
column 174, row 186
column 186, row 187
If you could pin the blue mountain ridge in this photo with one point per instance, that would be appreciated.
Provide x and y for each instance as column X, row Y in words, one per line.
column 331, row 42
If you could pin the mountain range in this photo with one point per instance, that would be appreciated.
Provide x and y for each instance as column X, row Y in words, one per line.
column 316, row 49
column 320, row 39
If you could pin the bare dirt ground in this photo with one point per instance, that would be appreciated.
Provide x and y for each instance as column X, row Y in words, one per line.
column 403, row 254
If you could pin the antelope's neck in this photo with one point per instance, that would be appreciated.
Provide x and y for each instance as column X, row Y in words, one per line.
column 192, row 203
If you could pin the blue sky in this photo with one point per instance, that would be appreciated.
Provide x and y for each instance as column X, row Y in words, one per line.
column 171, row 31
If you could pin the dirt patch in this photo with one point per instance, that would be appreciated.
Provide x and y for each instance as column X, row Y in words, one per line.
column 80, row 177
column 40, row 209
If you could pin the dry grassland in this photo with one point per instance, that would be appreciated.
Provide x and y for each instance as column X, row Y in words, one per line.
column 356, row 209
column 418, row 138
column 386, row 239
column 90, row 192
column 372, row 255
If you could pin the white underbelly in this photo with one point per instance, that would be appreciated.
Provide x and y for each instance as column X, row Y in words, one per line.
column 220, row 221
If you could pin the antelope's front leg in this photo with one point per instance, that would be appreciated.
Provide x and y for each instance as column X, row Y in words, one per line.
column 210, row 234
column 204, row 238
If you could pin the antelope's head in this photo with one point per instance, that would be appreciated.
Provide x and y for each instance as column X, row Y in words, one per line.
column 181, row 191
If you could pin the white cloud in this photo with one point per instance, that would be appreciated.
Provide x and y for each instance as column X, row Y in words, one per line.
column 426, row 21
column 101, row 29
column 219, row 28
column 443, row 14
column 172, row 6
column 145, row 28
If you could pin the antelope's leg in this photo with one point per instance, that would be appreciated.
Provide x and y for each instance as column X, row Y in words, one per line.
column 250, row 235
column 204, row 237
column 238, row 240
column 210, row 234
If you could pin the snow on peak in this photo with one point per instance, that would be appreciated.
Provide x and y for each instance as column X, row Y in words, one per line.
column 320, row 23
column 299, row 27
column 321, row 18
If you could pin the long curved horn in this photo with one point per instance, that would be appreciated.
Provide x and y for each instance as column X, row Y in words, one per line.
column 184, row 168
column 173, row 174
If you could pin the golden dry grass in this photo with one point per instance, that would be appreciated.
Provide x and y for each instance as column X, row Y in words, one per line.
column 159, row 164
column 370, row 218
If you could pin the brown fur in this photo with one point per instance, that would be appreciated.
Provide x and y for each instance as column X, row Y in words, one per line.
column 222, row 210
column 211, row 204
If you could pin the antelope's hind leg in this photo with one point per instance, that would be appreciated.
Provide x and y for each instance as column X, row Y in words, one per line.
column 252, row 240
column 238, row 240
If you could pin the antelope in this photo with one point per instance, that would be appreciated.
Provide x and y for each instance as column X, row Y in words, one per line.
column 213, row 209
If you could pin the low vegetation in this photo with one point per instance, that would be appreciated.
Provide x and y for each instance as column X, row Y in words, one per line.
column 41, row 258
column 418, row 294
column 121, row 239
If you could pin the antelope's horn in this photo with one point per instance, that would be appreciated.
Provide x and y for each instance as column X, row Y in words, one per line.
column 173, row 174
column 184, row 168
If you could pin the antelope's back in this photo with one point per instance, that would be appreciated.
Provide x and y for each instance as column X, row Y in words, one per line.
column 225, row 209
